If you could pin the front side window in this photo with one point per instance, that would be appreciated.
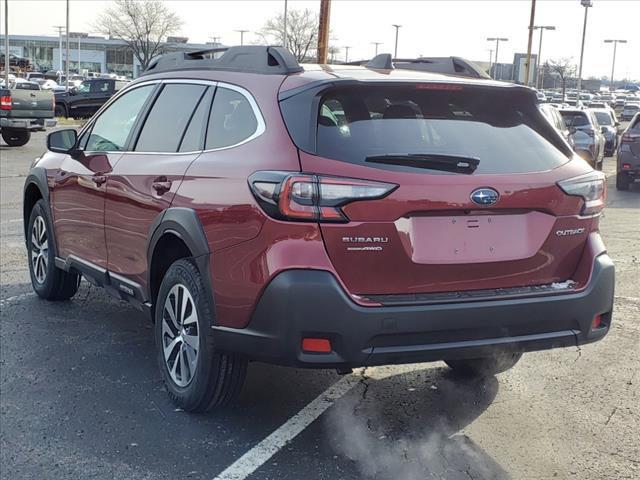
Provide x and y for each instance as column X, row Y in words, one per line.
column 112, row 128
column 168, row 118
column 232, row 119
column 604, row 118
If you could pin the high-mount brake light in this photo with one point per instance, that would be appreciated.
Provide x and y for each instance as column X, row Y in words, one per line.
column 316, row 198
column 450, row 87
column 591, row 187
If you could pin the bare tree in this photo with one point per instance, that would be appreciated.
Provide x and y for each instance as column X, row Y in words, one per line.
column 563, row 68
column 302, row 32
column 142, row 25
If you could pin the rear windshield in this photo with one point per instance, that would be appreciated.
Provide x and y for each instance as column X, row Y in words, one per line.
column 505, row 132
column 575, row 119
column 633, row 106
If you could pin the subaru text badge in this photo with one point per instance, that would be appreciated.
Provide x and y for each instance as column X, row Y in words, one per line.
column 484, row 196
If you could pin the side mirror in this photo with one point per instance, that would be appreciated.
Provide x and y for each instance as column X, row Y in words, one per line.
column 572, row 130
column 62, row 141
column 603, row 129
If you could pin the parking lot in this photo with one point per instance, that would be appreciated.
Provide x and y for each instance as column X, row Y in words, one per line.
column 82, row 396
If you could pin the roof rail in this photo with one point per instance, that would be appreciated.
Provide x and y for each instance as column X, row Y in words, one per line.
column 269, row 60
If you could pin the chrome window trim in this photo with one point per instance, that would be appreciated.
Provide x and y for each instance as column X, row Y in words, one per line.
column 260, row 128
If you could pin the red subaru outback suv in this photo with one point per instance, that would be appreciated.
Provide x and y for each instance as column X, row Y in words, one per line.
column 325, row 216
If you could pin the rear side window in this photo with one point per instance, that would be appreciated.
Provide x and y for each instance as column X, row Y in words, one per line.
column 232, row 119
column 194, row 136
column 575, row 119
column 100, row 86
column 505, row 132
column 111, row 130
column 168, row 118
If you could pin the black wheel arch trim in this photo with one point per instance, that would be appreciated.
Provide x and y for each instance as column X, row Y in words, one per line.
column 185, row 224
column 38, row 177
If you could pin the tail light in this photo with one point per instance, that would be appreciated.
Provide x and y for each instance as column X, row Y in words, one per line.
column 5, row 102
column 591, row 187
column 630, row 137
column 312, row 198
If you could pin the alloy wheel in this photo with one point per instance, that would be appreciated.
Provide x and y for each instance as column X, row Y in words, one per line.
column 180, row 335
column 39, row 249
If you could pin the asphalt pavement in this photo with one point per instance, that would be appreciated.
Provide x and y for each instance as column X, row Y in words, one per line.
column 81, row 396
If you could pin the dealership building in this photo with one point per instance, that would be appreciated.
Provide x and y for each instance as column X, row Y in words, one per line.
column 94, row 53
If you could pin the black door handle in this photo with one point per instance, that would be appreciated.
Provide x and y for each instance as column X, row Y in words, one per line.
column 161, row 185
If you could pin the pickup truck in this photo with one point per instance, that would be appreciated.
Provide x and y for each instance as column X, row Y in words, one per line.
column 85, row 100
column 24, row 109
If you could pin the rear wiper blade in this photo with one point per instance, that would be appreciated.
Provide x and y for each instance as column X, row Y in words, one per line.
column 433, row 161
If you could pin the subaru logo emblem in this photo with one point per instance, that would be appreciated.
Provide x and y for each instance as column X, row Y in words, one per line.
column 484, row 196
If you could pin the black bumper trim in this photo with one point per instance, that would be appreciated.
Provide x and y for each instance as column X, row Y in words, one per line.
column 311, row 303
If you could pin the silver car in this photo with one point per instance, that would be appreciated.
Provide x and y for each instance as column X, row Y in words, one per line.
column 629, row 110
column 587, row 135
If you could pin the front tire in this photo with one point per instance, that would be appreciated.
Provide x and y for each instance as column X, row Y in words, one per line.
column 197, row 376
column 47, row 280
column 16, row 138
column 485, row 367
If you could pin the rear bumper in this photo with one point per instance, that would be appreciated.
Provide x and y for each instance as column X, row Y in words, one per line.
column 311, row 303
column 30, row 124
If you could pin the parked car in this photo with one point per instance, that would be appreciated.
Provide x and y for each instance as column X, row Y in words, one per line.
column 33, row 76
column 628, row 164
column 553, row 115
column 15, row 61
column 47, row 84
column 326, row 218
column 620, row 102
column 587, row 135
column 609, row 128
column 630, row 110
column 86, row 99
column 24, row 108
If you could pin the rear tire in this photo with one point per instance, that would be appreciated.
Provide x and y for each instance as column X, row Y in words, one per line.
column 16, row 138
column 47, row 280
column 485, row 367
column 197, row 376
column 622, row 181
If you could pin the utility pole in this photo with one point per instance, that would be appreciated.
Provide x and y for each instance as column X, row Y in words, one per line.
column 67, row 65
column 60, row 29
column 395, row 50
column 613, row 65
column 6, row 43
column 323, row 31
column 242, row 32
column 346, row 53
column 542, row 28
column 586, row 4
column 497, row 40
column 531, row 22
column 490, row 59
column 376, row 44
column 284, row 33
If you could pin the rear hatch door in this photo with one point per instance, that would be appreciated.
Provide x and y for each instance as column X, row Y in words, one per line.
column 476, row 205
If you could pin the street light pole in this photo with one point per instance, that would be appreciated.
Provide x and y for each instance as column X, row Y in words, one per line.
column 346, row 54
column 242, row 32
column 613, row 65
column 284, row 28
column 586, row 4
column 542, row 28
column 497, row 40
column 67, row 65
column 395, row 52
column 6, row 43
column 376, row 44
column 527, row 69
column 490, row 59
column 60, row 28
